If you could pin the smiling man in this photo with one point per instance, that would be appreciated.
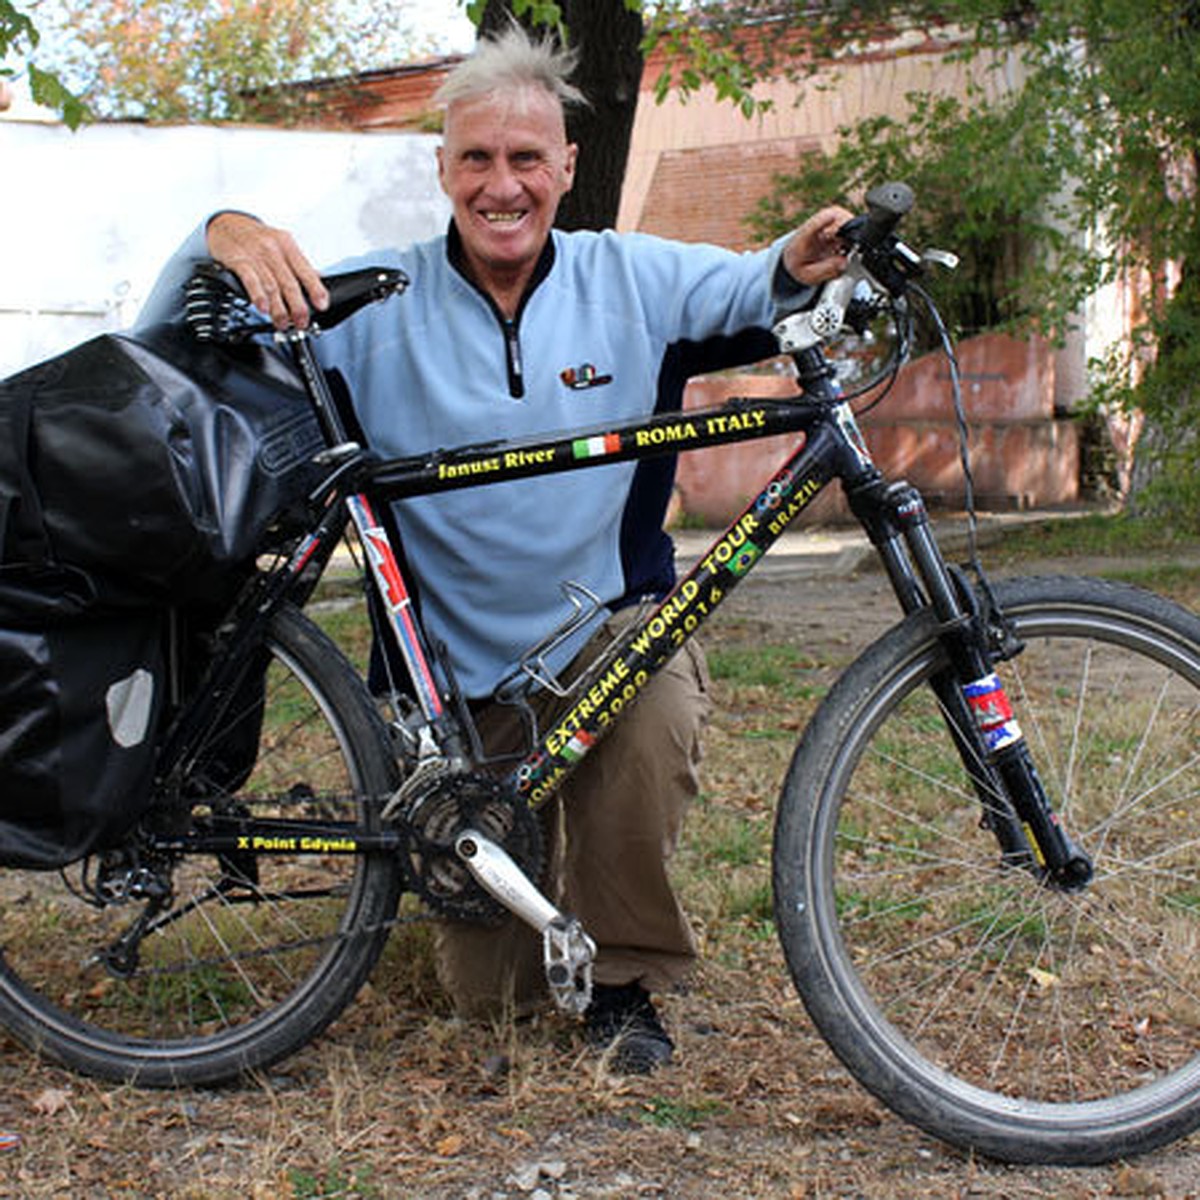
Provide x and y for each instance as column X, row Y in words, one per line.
column 505, row 164
column 512, row 328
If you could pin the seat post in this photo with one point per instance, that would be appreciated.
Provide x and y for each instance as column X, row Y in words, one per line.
column 299, row 342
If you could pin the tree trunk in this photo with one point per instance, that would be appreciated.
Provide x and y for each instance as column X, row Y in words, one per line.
column 1170, row 394
column 609, row 39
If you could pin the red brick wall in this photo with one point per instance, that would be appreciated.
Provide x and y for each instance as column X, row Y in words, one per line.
column 705, row 194
column 1023, row 456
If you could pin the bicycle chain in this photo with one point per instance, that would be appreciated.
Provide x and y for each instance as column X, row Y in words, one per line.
column 430, row 865
column 286, row 947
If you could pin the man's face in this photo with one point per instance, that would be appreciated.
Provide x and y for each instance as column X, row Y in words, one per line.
column 505, row 164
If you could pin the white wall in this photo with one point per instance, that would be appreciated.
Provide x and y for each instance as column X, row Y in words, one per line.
column 87, row 218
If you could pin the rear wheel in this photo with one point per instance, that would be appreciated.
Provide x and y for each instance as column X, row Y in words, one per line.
column 253, row 954
column 997, row 1013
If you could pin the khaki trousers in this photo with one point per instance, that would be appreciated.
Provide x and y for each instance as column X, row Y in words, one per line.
column 610, row 833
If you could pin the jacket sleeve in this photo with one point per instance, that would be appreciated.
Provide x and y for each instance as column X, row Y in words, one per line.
column 696, row 291
column 165, row 302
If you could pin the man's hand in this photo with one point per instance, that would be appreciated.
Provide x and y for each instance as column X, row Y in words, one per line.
column 277, row 277
column 813, row 254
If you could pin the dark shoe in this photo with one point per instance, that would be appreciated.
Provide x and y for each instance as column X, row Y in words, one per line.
column 623, row 1022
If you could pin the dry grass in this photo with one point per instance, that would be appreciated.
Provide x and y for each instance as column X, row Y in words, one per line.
column 400, row 1100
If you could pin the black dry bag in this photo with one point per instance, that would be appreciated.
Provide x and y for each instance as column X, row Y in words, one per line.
column 81, row 696
column 157, row 463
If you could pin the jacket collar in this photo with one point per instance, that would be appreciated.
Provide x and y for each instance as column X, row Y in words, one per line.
column 458, row 260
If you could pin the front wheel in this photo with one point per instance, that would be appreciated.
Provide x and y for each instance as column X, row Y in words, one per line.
column 251, row 955
column 995, row 1012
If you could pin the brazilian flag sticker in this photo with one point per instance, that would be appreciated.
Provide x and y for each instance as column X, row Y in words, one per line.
column 744, row 559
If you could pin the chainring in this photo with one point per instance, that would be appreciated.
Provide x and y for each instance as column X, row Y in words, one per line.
column 434, row 818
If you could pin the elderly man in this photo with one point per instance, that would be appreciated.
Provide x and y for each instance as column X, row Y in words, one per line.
column 510, row 326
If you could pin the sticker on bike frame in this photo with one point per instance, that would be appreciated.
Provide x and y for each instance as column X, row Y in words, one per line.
column 274, row 844
column 653, row 644
column 993, row 712
column 493, row 464
column 397, row 601
column 849, row 426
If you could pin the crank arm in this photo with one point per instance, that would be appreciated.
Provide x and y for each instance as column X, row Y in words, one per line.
column 567, row 951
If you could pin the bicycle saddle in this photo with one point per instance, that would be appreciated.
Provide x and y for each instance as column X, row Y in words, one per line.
column 218, row 310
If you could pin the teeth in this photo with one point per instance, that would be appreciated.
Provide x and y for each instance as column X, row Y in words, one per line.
column 505, row 218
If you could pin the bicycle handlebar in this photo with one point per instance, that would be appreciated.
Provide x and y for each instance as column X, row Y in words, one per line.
column 887, row 204
column 877, row 260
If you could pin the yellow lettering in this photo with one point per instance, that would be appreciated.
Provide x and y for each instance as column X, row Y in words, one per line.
column 660, row 435
column 328, row 845
column 544, row 789
column 527, row 458
column 803, row 494
column 478, row 466
column 724, row 550
column 736, row 422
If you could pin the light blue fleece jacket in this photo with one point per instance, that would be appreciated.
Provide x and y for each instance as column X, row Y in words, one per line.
column 601, row 335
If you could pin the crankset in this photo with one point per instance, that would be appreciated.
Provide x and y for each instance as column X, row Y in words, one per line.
column 440, row 809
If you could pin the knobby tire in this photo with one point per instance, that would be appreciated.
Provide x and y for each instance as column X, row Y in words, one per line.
column 1001, row 1015
column 240, row 975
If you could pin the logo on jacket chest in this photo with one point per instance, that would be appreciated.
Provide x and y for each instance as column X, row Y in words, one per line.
column 582, row 377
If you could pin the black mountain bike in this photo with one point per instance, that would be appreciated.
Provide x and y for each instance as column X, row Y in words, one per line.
column 989, row 833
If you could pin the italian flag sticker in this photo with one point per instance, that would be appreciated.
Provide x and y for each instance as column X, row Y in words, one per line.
column 596, row 447
column 578, row 746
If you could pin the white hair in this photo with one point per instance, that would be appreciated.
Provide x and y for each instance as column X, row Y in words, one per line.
column 513, row 61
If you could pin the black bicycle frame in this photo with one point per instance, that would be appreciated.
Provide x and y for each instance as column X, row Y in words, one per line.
column 893, row 515
column 830, row 449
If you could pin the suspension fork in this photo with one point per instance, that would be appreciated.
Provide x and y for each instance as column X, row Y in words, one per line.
column 979, row 715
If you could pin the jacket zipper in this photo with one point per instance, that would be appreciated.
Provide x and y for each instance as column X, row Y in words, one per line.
column 512, row 347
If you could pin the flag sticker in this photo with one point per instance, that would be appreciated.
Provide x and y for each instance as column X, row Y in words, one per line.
column 578, row 746
column 596, row 447
column 744, row 558
column 585, row 376
column 993, row 712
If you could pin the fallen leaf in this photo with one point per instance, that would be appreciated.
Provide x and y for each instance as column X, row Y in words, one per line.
column 51, row 1101
column 518, row 1135
column 450, row 1145
column 1044, row 979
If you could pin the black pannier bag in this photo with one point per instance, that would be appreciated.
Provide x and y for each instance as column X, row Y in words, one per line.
column 81, row 695
column 159, row 464
column 137, row 473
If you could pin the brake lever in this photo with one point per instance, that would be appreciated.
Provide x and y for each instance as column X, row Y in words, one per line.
column 876, row 259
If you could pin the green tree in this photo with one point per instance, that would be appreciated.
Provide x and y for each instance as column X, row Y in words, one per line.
column 19, row 37
column 1087, row 173
column 192, row 60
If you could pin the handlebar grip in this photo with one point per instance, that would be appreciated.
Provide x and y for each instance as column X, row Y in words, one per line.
column 886, row 204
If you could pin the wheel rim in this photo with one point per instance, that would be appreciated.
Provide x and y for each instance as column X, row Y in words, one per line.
column 1077, row 1009
column 231, row 962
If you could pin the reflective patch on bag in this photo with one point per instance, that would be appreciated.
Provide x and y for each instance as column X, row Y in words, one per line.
column 81, row 706
column 130, row 706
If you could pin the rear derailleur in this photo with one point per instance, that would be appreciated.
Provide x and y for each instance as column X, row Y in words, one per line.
column 125, row 877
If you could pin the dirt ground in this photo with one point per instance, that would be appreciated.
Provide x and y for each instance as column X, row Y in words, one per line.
column 400, row 1100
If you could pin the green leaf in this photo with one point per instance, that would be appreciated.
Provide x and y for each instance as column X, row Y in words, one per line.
column 15, row 27
column 48, row 90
